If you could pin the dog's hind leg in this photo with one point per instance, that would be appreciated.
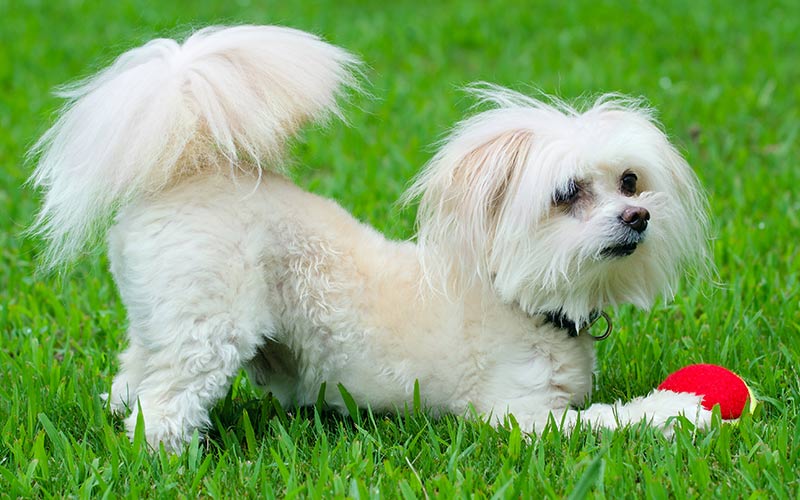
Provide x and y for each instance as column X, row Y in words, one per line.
column 190, row 274
column 185, row 377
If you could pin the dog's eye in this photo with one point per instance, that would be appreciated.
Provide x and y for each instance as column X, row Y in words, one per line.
column 568, row 195
column 627, row 184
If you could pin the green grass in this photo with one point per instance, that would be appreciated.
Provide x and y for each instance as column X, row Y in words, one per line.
column 724, row 78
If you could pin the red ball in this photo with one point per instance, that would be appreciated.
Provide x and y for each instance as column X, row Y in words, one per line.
column 717, row 385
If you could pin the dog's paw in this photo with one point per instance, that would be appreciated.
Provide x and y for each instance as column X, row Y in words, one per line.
column 664, row 409
column 160, row 429
column 121, row 399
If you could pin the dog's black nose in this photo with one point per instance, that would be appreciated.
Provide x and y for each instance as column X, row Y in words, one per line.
column 635, row 218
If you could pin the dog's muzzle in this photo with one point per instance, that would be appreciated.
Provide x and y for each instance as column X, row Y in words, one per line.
column 634, row 220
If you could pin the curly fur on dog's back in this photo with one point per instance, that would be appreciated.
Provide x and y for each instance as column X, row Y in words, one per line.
column 224, row 98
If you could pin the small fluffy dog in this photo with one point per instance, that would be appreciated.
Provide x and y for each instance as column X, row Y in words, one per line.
column 533, row 218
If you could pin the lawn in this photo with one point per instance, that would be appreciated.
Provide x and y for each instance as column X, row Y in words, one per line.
column 724, row 79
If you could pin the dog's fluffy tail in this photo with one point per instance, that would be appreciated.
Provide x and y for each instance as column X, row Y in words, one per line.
column 225, row 97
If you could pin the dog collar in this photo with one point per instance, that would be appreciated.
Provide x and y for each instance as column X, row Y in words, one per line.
column 560, row 320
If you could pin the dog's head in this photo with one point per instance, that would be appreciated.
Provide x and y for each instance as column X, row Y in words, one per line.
column 561, row 210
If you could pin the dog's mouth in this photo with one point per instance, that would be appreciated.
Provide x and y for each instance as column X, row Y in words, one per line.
column 619, row 250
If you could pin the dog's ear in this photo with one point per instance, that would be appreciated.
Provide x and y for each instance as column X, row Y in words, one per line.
column 465, row 189
column 487, row 172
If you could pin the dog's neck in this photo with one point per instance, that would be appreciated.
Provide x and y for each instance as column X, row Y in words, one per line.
column 560, row 320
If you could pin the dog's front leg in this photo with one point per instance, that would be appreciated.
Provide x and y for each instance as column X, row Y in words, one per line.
column 659, row 409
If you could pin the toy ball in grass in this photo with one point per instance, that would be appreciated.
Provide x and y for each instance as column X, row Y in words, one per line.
column 717, row 385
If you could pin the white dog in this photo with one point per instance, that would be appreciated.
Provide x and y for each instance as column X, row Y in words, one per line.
column 533, row 218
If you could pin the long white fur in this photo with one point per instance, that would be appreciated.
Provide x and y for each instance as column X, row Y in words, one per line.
column 166, row 109
column 527, row 148
column 223, row 264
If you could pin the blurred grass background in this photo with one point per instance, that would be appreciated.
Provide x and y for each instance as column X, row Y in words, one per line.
column 722, row 75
